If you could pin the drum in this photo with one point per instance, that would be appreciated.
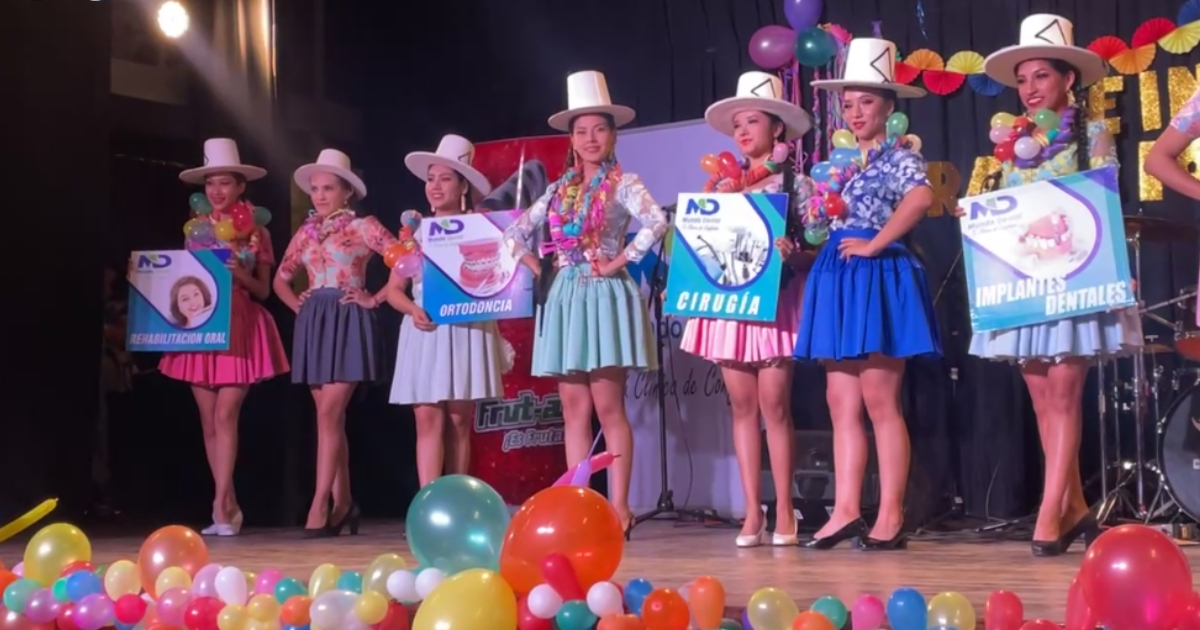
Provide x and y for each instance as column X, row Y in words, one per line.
column 1179, row 451
column 1187, row 340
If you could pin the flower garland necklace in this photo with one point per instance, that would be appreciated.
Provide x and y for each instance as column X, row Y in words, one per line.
column 318, row 228
column 1031, row 140
column 575, row 220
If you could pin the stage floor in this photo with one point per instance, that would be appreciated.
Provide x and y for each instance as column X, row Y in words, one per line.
column 668, row 554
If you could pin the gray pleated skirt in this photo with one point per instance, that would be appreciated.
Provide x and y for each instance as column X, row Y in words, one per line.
column 335, row 342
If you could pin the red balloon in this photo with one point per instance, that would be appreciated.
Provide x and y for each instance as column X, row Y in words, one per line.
column 665, row 609
column 397, row 618
column 77, row 566
column 66, row 618
column 201, row 613
column 1039, row 624
column 1079, row 614
column 560, row 575
column 526, row 620
column 730, row 166
column 1003, row 611
column 1021, row 122
column 129, row 609
column 1005, row 151
column 834, row 206
column 1191, row 617
column 1137, row 578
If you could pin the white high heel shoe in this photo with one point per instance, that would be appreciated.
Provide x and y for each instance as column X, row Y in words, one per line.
column 232, row 528
column 753, row 540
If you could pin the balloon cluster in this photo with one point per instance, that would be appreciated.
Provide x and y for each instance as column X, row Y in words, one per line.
column 404, row 257
column 240, row 222
column 845, row 162
column 773, row 47
column 1024, row 138
column 728, row 174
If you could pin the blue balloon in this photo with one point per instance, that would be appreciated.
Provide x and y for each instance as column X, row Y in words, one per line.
column 906, row 610
column 350, row 581
column 83, row 583
column 457, row 523
column 842, row 158
column 635, row 595
column 820, row 171
column 575, row 615
column 288, row 588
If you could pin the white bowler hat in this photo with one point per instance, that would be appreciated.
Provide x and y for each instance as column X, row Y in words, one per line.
column 1045, row 36
column 221, row 156
column 762, row 92
column 453, row 152
column 587, row 93
column 870, row 64
column 330, row 161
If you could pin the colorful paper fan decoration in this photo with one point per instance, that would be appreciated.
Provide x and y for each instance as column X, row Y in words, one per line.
column 1188, row 13
column 1151, row 31
column 905, row 73
column 913, row 65
column 1107, row 47
column 958, row 68
column 839, row 33
column 1134, row 60
column 985, row 85
column 1182, row 40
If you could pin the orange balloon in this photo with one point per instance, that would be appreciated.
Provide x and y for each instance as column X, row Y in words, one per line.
column 295, row 611
column 6, row 577
column 393, row 254
column 707, row 598
column 620, row 622
column 665, row 609
column 171, row 546
column 711, row 164
column 809, row 620
column 576, row 522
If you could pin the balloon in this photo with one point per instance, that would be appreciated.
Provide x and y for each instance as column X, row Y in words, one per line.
column 1004, row 151
column 636, row 591
column 914, row 142
column 381, row 568
column 407, row 266
column 706, row 598
column 476, row 599
column 731, row 624
column 428, row 580
column 844, row 139
column 1021, row 122
column 1189, row 621
column 1026, row 148
column 897, row 124
column 952, row 610
column 350, row 581
column 1136, row 577
column 771, row 609
column 262, row 216
column 730, row 167
column 526, row 620
column 457, row 523
column 620, row 622
column 543, row 601
column 371, row 608
column 999, row 134
column 129, row 609
column 1039, row 624
column 402, row 587
column 6, row 578
column 604, row 598
column 833, row 609
column 231, row 586
column 172, row 577
column 780, row 153
column 1046, row 119
column 18, row 593
column 593, row 465
column 802, row 14
column 576, row 522
column 243, row 219
column 201, row 613
column 815, row 235
column 1003, row 611
column 285, row 589
column 771, row 46
column 53, row 548
column 231, row 617
column 842, row 158
column 906, row 610
column 710, row 164
column 171, row 605
column 94, row 612
column 814, row 47
column 664, row 609
column 41, row 607
column 834, row 205
column 199, row 203
column 574, row 615
column 810, row 620
column 1079, row 614
column 224, row 230
column 867, row 613
column 264, row 608
column 1001, row 119
column 820, row 172
column 323, row 579
column 330, row 608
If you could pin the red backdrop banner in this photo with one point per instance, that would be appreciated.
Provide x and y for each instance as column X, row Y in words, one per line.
column 516, row 445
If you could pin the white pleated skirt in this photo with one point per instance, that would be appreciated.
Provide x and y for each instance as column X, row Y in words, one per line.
column 454, row 362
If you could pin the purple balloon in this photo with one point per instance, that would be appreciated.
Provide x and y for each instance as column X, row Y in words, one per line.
column 802, row 14
column 42, row 607
column 772, row 46
column 746, row 619
column 94, row 612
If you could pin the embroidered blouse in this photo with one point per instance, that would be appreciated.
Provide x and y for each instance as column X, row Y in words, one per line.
column 873, row 195
column 340, row 260
column 1187, row 120
column 1101, row 152
column 631, row 199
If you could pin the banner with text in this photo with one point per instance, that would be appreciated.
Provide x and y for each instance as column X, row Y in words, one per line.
column 469, row 275
column 724, row 264
column 179, row 301
column 1046, row 251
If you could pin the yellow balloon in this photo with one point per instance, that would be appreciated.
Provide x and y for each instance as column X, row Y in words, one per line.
column 172, row 577
column 52, row 549
column 376, row 576
column 255, row 624
column 844, row 139
column 371, row 607
column 29, row 518
column 263, row 607
column 915, row 141
column 1003, row 119
column 770, row 609
column 475, row 599
column 251, row 578
column 232, row 617
column 224, row 230
column 324, row 578
column 121, row 578
column 951, row 610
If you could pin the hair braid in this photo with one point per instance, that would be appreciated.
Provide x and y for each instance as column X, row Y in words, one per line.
column 1080, row 129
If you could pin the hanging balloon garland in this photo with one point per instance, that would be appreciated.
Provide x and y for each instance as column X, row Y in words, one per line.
column 404, row 257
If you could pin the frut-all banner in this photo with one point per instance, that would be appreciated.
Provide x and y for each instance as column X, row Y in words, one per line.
column 469, row 274
column 179, row 301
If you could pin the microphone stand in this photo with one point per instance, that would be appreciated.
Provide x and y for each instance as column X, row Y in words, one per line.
column 666, row 498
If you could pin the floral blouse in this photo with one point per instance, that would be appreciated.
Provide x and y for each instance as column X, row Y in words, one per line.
column 875, row 192
column 1187, row 120
column 1101, row 152
column 339, row 259
column 631, row 199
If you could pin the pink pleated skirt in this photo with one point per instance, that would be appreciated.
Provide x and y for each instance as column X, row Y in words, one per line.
column 255, row 351
column 749, row 343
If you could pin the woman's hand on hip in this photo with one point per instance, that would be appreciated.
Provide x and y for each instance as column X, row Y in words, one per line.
column 359, row 297
column 860, row 247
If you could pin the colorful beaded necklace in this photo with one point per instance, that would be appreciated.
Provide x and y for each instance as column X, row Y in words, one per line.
column 576, row 219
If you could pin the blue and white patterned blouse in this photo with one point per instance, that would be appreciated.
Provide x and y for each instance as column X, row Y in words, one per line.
column 873, row 195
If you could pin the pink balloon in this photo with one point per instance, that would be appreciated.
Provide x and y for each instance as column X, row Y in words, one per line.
column 999, row 134
column 771, row 47
column 1136, row 578
column 596, row 463
column 408, row 266
column 171, row 606
column 1003, row 611
column 780, row 153
column 867, row 613
column 41, row 606
column 94, row 612
column 205, row 582
column 1079, row 614
column 1039, row 624
column 265, row 584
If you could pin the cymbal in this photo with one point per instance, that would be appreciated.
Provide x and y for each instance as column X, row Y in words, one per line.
column 1155, row 229
column 1158, row 348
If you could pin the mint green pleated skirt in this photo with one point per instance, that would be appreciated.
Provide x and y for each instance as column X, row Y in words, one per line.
column 591, row 322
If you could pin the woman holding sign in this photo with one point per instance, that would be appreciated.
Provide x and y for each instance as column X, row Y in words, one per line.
column 1051, row 75
column 220, row 380
column 867, row 306
column 593, row 327
column 443, row 370
column 756, row 357
column 337, row 343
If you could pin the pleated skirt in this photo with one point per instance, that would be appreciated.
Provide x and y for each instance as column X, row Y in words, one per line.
column 255, row 351
column 728, row 341
column 453, row 362
column 335, row 342
column 863, row 306
column 592, row 322
column 1115, row 333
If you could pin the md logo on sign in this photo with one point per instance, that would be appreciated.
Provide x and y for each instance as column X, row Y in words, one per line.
column 153, row 261
column 706, row 207
column 995, row 206
column 446, row 227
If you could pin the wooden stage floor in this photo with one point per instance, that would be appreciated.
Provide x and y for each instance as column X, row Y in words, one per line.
column 671, row 555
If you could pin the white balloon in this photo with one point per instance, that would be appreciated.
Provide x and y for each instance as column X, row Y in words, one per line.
column 428, row 580
column 329, row 609
column 402, row 586
column 604, row 598
column 543, row 601
column 1027, row 148
column 231, row 586
column 352, row 622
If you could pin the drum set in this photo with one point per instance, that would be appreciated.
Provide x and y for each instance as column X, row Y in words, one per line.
column 1163, row 487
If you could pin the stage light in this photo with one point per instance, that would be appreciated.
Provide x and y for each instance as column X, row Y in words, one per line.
column 172, row 19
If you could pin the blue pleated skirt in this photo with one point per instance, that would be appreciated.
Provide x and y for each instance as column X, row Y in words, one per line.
column 592, row 322
column 863, row 306
column 1109, row 334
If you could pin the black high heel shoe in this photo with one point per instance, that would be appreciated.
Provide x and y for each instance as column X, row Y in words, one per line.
column 899, row 542
column 850, row 531
column 352, row 518
column 1088, row 527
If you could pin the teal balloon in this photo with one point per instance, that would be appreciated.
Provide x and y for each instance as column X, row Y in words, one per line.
column 288, row 588
column 815, row 47
column 731, row 624
column 18, row 593
column 262, row 216
column 1046, row 119
column 897, row 125
column 59, row 590
column 457, row 523
column 833, row 609
column 199, row 203
column 575, row 615
column 816, row 235
column 350, row 581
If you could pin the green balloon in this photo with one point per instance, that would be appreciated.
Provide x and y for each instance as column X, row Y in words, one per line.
column 262, row 216
column 199, row 203
column 288, row 588
column 730, row 624
column 897, row 125
column 59, row 590
column 814, row 47
column 457, row 523
column 575, row 615
column 833, row 609
column 18, row 593
column 1046, row 119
